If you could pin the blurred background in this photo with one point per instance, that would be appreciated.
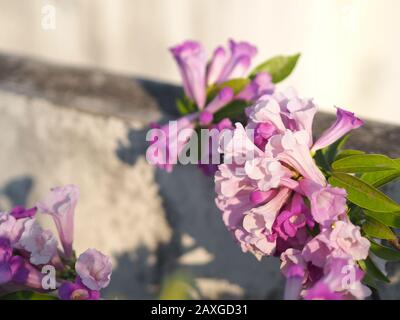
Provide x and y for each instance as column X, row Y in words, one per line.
column 80, row 125
column 350, row 48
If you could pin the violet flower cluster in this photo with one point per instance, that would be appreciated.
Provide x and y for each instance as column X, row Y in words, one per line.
column 277, row 202
column 206, row 87
column 312, row 204
column 31, row 260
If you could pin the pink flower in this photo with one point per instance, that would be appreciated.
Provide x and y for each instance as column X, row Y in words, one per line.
column 259, row 86
column 192, row 62
column 5, row 259
column 268, row 173
column 284, row 110
column 327, row 202
column 321, row 291
column 257, row 225
column 77, row 291
column 292, row 219
column 345, row 122
column 343, row 240
column 94, row 268
column 168, row 141
column 60, row 203
column 347, row 238
column 20, row 212
column 341, row 280
column 40, row 243
column 294, row 269
column 25, row 274
column 223, row 97
column 223, row 67
column 318, row 249
column 10, row 227
column 291, row 148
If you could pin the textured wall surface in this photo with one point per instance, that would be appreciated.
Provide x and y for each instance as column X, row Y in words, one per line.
column 350, row 48
column 63, row 125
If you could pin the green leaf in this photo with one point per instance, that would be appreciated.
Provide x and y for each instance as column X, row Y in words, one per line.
column 384, row 252
column 321, row 161
column 237, row 85
column 364, row 163
column 370, row 281
column 363, row 194
column 279, row 67
column 331, row 151
column 232, row 110
column 372, row 270
column 28, row 295
column 376, row 229
column 185, row 106
column 391, row 219
column 348, row 153
column 380, row 178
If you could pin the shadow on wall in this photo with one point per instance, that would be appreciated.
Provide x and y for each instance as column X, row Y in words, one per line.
column 16, row 192
column 209, row 251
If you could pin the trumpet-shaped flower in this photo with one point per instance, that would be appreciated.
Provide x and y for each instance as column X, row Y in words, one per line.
column 292, row 148
column 60, row 203
column 40, row 243
column 192, row 61
column 327, row 202
column 224, row 66
column 345, row 122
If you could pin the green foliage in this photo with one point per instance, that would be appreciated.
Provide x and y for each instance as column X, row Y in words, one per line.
column 233, row 110
column 348, row 152
column 185, row 106
column 391, row 219
column 376, row 229
column 384, row 252
column 236, row 85
column 364, row 163
column 363, row 194
column 372, row 270
column 279, row 67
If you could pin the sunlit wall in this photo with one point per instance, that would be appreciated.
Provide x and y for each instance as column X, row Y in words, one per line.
column 350, row 48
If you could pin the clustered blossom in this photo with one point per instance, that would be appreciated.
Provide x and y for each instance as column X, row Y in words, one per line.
column 198, row 75
column 25, row 248
column 276, row 201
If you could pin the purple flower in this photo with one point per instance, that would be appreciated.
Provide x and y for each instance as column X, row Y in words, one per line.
column 294, row 269
column 25, row 274
column 40, row 243
column 168, row 141
column 10, row 227
column 295, row 217
column 341, row 280
column 292, row 148
column 345, row 122
column 94, row 268
column 5, row 257
column 60, row 203
column 259, row 86
column 20, row 212
column 327, row 202
column 223, row 67
column 321, row 291
column 192, row 62
column 77, row 291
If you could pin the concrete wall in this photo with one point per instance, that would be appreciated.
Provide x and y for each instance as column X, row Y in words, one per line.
column 350, row 47
column 63, row 125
